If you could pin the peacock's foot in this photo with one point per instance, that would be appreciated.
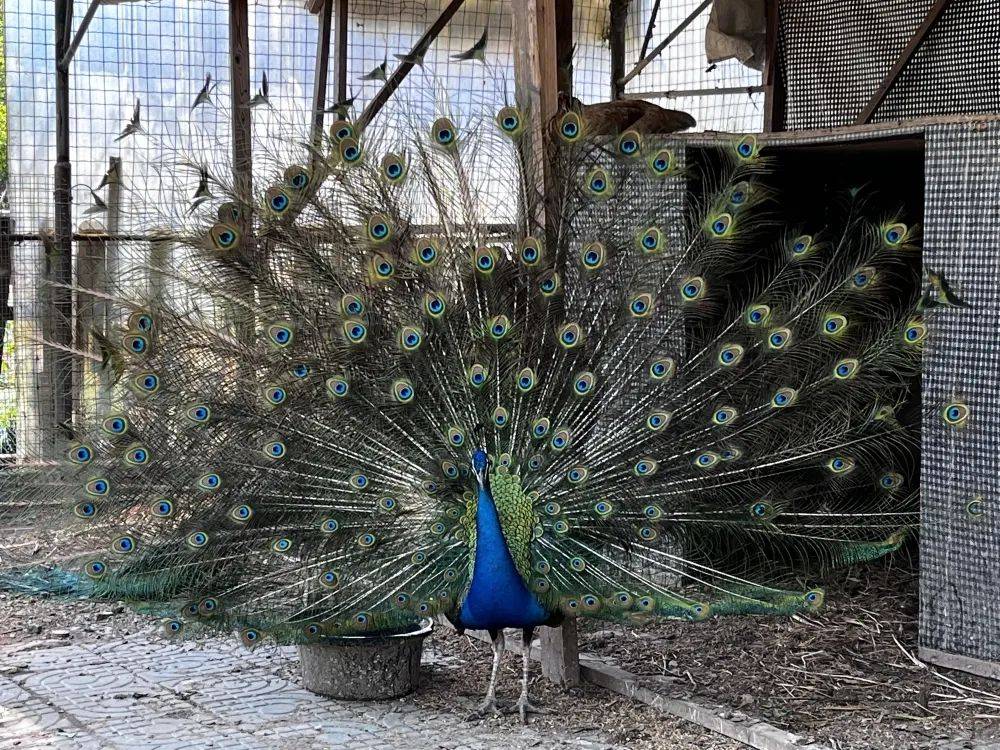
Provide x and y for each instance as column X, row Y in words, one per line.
column 525, row 707
column 488, row 707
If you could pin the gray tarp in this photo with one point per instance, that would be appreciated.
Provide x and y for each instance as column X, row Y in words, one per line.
column 737, row 29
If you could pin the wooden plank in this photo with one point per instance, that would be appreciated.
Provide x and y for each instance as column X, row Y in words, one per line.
column 560, row 653
column 616, row 41
column 6, row 272
column 710, row 91
column 702, row 7
column 404, row 68
column 322, row 68
column 903, row 60
column 774, row 81
column 958, row 661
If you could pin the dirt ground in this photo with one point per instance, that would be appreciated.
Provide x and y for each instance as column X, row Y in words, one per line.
column 846, row 676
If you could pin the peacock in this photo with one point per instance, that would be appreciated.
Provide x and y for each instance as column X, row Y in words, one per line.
column 502, row 373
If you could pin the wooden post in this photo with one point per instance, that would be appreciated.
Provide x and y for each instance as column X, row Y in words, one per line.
column 619, row 17
column 239, row 76
column 537, row 55
column 322, row 69
column 57, row 399
column 340, row 51
column 774, row 80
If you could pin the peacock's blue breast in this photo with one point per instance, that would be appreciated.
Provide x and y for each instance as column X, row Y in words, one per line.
column 497, row 596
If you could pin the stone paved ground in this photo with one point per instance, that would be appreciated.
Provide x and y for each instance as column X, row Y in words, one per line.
column 135, row 693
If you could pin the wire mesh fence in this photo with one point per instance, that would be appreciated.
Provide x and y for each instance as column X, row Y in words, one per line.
column 150, row 93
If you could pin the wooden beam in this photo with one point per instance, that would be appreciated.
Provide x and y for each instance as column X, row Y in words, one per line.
column 404, row 68
column 67, row 56
column 649, row 28
column 902, row 61
column 322, row 69
column 340, row 51
column 774, row 80
column 6, row 272
column 639, row 66
column 710, row 91
column 619, row 17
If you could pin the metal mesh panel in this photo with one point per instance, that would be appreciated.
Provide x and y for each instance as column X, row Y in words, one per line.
column 159, row 53
column 959, row 549
column 719, row 97
column 835, row 53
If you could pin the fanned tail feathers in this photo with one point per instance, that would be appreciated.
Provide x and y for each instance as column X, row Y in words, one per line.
column 684, row 405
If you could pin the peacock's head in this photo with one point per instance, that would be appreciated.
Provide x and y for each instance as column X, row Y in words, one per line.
column 480, row 465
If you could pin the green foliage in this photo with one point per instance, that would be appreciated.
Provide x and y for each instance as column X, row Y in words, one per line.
column 8, row 388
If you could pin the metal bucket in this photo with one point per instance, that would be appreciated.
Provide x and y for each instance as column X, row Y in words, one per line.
column 365, row 667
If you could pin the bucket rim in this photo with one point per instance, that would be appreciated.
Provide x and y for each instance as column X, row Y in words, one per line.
column 423, row 629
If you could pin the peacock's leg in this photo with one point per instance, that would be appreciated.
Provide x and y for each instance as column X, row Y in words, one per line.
column 524, row 705
column 489, row 704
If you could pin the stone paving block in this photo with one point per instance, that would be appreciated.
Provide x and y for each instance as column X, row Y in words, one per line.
column 168, row 663
column 58, row 741
column 61, row 657
column 150, row 732
column 30, row 715
column 141, row 694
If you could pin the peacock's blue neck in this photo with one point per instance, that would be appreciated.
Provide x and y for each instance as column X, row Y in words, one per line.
column 497, row 596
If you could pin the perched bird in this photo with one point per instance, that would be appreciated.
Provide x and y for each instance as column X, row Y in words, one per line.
column 133, row 126
column 616, row 407
column 205, row 95
column 262, row 97
column 378, row 73
column 944, row 295
column 615, row 117
column 477, row 51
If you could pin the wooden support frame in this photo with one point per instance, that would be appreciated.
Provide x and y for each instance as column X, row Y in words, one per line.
column 404, row 68
column 932, row 17
column 640, row 66
column 58, row 366
column 239, row 76
column 340, row 50
column 322, row 68
column 774, row 81
column 616, row 40
column 538, row 51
